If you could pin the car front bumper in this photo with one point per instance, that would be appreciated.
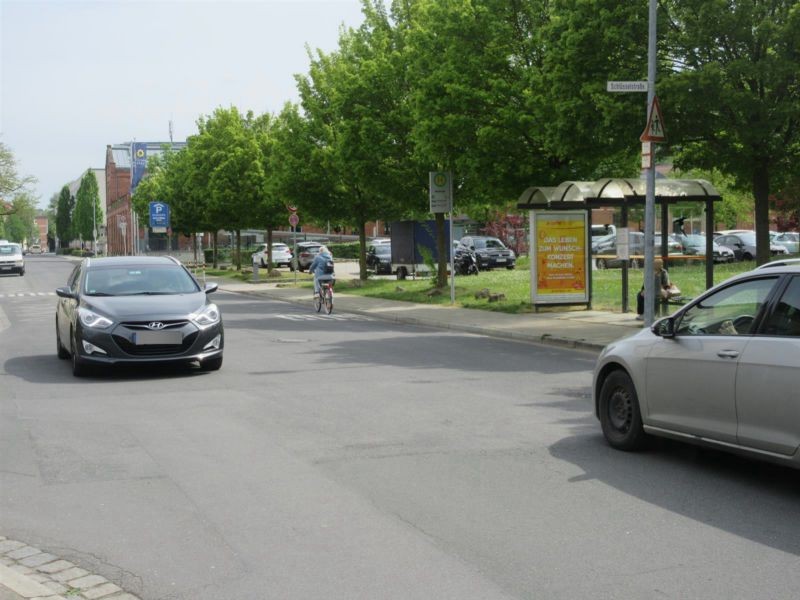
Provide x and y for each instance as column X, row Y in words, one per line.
column 129, row 344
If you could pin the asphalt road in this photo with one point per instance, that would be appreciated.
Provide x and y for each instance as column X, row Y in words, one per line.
column 343, row 457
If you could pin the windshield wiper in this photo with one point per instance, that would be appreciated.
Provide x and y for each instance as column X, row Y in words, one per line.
column 99, row 294
column 149, row 294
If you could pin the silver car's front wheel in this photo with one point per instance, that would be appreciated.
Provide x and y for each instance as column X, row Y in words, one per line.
column 620, row 417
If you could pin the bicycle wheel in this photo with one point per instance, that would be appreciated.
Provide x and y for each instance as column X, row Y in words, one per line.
column 328, row 301
column 318, row 301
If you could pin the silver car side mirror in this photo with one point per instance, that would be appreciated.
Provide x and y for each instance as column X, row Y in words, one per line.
column 664, row 327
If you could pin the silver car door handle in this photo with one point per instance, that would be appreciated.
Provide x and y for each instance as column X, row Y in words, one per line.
column 728, row 353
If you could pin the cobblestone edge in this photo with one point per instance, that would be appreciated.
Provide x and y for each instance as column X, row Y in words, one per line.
column 28, row 571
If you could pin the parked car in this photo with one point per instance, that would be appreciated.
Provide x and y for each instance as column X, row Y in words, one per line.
column 781, row 262
column 673, row 244
column 11, row 258
column 607, row 252
column 744, row 245
column 695, row 245
column 305, row 253
column 34, row 249
column 281, row 255
column 490, row 251
column 722, row 371
column 136, row 310
column 602, row 231
column 379, row 258
column 789, row 240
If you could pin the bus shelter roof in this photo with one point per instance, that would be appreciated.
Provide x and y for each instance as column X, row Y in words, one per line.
column 615, row 192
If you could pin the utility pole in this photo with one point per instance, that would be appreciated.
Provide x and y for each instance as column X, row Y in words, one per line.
column 650, row 198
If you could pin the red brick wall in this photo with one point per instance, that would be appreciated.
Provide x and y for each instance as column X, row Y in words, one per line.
column 118, row 207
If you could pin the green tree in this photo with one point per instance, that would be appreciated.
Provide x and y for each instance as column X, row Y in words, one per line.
column 358, row 127
column 87, row 214
column 64, row 208
column 732, row 93
column 11, row 181
column 226, row 149
column 19, row 224
column 270, row 208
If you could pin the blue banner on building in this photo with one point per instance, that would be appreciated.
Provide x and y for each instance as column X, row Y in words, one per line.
column 138, row 163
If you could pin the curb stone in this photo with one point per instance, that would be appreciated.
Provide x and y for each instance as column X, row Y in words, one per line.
column 34, row 574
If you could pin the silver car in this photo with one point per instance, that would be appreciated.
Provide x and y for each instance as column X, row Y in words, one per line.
column 722, row 371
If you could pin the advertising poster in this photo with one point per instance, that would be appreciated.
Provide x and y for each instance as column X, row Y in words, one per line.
column 559, row 264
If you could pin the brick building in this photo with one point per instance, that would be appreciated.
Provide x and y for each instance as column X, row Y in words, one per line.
column 123, row 228
column 41, row 230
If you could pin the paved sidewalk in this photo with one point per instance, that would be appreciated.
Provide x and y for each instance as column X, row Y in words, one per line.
column 580, row 329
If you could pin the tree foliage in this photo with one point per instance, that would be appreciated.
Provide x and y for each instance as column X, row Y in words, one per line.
column 733, row 92
column 65, row 206
column 11, row 181
column 87, row 214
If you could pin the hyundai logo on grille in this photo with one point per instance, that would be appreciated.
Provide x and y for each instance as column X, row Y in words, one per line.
column 155, row 325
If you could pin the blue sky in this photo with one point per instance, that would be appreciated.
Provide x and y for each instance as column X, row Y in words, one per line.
column 76, row 76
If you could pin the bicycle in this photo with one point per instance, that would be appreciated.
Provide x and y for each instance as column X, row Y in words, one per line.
column 324, row 297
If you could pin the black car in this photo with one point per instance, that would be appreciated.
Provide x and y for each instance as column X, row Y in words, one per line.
column 489, row 251
column 137, row 309
column 379, row 258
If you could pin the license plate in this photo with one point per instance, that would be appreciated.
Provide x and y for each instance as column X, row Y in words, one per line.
column 501, row 260
column 149, row 338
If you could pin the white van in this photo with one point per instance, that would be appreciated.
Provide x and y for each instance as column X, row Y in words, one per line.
column 11, row 258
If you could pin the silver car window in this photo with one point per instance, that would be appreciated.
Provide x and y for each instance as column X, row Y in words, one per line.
column 729, row 311
column 785, row 319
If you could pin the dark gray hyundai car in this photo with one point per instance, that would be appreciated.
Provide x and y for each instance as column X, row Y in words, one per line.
column 137, row 309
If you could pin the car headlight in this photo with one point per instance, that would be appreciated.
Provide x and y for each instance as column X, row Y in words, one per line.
column 92, row 319
column 206, row 317
column 511, row 253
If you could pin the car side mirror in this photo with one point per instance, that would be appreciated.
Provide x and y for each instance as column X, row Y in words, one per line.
column 211, row 288
column 664, row 327
column 64, row 292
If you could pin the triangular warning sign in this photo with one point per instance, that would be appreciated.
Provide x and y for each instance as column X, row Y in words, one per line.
column 654, row 132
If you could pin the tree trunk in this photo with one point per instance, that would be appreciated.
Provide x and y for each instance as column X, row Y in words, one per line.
column 215, row 244
column 761, row 194
column 441, row 275
column 362, row 250
column 238, row 249
column 269, row 250
column 193, row 237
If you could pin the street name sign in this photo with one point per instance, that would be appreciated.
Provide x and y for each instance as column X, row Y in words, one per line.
column 626, row 86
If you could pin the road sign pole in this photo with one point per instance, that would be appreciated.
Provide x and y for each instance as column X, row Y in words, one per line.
column 650, row 197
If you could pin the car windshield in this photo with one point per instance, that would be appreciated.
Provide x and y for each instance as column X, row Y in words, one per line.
column 139, row 280
column 694, row 240
column 748, row 239
column 383, row 249
column 9, row 249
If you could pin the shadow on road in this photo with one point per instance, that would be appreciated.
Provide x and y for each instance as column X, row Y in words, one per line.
column 47, row 368
column 747, row 498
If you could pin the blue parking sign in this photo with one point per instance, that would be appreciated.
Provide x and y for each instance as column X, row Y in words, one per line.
column 159, row 214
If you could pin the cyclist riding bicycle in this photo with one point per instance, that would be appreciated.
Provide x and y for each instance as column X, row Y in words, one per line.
column 322, row 268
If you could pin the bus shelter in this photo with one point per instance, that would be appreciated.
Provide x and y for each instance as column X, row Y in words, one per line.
column 623, row 194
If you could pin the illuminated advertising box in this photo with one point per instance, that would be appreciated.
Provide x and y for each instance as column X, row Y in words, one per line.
column 559, row 259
